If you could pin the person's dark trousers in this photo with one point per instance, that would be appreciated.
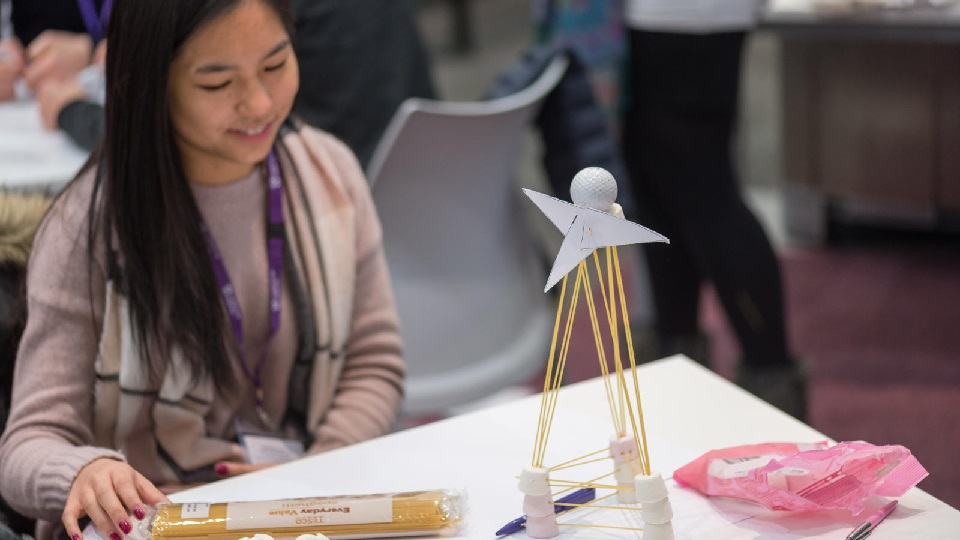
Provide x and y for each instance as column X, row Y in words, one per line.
column 678, row 147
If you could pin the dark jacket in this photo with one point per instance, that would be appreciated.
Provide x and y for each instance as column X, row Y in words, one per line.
column 358, row 61
column 571, row 122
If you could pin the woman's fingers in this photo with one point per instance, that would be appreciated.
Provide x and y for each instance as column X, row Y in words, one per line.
column 129, row 495
column 119, row 480
column 11, row 68
column 149, row 493
column 38, row 71
column 135, row 493
column 109, row 492
column 56, row 55
column 99, row 517
column 81, row 501
column 72, row 512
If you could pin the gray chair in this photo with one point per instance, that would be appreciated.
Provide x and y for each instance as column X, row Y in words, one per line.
column 463, row 262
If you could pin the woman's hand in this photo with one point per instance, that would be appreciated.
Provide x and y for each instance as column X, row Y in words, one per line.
column 56, row 56
column 108, row 491
column 54, row 96
column 11, row 67
column 100, row 55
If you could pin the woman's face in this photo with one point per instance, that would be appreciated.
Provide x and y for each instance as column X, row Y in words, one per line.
column 231, row 85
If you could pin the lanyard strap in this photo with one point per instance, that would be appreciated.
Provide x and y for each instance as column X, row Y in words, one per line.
column 95, row 22
column 275, row 234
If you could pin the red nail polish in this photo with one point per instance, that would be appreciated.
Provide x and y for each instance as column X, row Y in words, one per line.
column 115, row 536
column 222, row 469
column 137, row 513
column 76, row 537
column 125, row 526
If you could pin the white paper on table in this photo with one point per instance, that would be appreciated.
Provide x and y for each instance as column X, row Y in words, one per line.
column 31, row 156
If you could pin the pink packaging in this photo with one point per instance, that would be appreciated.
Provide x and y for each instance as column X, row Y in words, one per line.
column 801, row 477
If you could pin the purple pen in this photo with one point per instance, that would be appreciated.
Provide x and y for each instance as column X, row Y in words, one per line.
column 871, row 523
column 563, row 504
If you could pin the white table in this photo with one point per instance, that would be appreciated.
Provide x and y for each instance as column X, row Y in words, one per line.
column 32, row 157
column 688, row 410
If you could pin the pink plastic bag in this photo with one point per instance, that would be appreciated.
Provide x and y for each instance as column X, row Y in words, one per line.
column 801, row 477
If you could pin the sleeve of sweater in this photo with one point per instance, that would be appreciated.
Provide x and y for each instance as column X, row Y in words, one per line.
column 49, row 437
column 83, row 122
column 371, row 384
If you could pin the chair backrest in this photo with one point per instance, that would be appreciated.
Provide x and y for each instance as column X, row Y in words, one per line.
column 462, row 260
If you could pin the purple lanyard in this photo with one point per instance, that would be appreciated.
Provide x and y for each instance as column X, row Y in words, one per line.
column 96, row 23
column 275, row 260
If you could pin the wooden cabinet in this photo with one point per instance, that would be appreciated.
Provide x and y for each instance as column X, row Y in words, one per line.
column 871, row 124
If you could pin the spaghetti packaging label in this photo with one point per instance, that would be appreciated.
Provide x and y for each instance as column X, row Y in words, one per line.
column 308, row 512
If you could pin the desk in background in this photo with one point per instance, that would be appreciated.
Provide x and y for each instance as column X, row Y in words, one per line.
column 871, row 116
column 31, row 157
column 688, row 410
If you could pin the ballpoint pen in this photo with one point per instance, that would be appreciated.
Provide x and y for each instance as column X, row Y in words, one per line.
column 563, row 504
column 871, row 523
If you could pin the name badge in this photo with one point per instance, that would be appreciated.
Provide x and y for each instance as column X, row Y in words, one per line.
column 259, row 449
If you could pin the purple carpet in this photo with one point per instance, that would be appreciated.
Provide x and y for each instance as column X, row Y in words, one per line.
column 880, row 330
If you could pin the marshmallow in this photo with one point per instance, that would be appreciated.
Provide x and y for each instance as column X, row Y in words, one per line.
column 623, row 449
column 542, row 527
column 538, row 505
column 534, row 481
column 652, row 531
column 656, row 513
column 650, row 488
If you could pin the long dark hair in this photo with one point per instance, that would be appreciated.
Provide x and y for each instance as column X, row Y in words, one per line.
column 146, row 202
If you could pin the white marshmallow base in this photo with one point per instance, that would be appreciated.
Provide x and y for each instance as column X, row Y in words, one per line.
column 538, row 503
column 534, row 481
column 656, row 510
column 656, row 513
column 623, row 450
column 652, row 531
column 543, row 526
column 650, row 487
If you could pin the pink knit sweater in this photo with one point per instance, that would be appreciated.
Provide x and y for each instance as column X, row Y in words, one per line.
column 354, row 387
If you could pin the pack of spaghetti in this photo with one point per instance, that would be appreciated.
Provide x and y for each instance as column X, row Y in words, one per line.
column 419, row 513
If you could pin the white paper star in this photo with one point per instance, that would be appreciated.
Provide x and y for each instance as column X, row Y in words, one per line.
column 595, row 221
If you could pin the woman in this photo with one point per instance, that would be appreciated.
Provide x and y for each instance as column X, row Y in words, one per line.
column 685, row 60
column 132, row 377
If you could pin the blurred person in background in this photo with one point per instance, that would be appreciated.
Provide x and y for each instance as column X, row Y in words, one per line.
column 359, row 59
column 51, row 42
column 678, row 140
